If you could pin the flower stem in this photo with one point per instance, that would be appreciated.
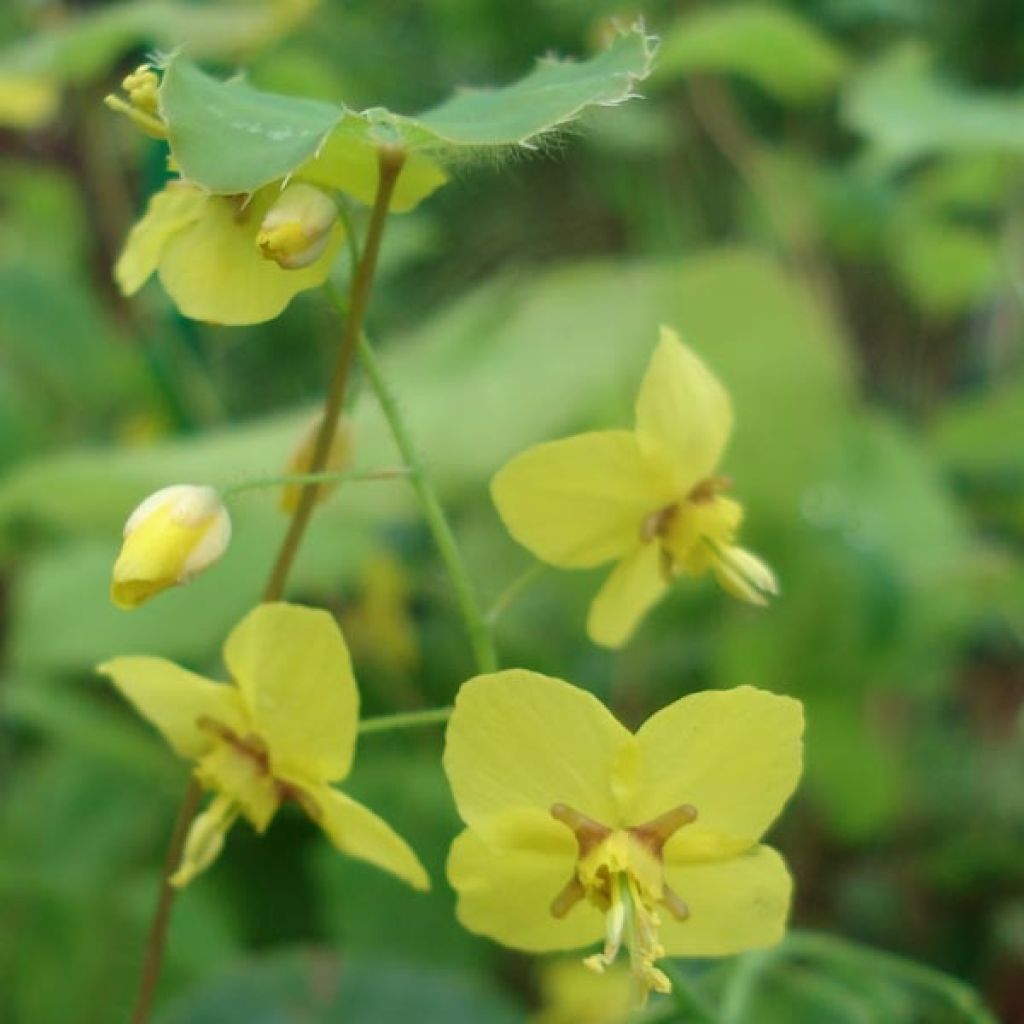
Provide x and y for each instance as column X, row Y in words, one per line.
column 328, row 477
column 390, row 162
column 405, row 720
column 157, row 938
column 390, row 166
column 511, row 593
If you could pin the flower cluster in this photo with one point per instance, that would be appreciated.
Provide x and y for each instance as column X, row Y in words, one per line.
column 578, row 831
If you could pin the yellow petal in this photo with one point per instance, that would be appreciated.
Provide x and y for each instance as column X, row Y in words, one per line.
column 734, row 905
column 519, row 739
column 634, row 586
column 683, row 408
column 177, row 702
column 350, row 164
column 583, row 500
column 27, row 101
column 735, row 755
column 242, row 778
column 293, row 668
column 168, row 212
column 507, row 872
column 214, row 271
column 205, row 840
column 357, row 831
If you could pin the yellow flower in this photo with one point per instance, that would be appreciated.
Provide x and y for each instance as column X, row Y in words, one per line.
column 285, row 729
column 297, row 228
column 206, row 249
column 578, row 828
column 570, row 994
column 647, row 498
column 339, row 457
column 171, row 537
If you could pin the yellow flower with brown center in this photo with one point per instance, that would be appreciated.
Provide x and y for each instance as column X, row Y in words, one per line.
column 285, row 729
column 578, row 828
column 649, row 498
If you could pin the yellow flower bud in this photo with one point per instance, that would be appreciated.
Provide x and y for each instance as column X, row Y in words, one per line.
column 142, row 107
column 339, row 457
column 297, row 229
column 170, row 538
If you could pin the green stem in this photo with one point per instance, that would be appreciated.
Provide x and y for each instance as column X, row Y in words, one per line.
column 405, row 720
column 512, row 592
column 477, row 628
column 327, row 477
column 390, row 166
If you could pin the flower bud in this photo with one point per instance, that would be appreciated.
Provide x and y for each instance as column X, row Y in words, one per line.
column 142, row 107
column 171, row 537
column 297, row 228
column 339, row 457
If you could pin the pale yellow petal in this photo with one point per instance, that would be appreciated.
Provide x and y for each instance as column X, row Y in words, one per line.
column 214, row 271
column 205, row 839
column 293, row 668
column 350, row 164
column 684, row 409
column 583, row 500
column 180, row 704
column 519, row 739
column 507, row 874
column 357, row 831
column 168, row 212
column 734, row 905
column 734, row 755
column 632, row 588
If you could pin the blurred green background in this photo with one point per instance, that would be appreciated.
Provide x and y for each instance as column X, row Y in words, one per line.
column 825, row 197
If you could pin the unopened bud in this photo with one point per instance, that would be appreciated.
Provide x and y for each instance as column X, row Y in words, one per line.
column 339, row 457
column 297, row 229
column 142, row 107
column 172, row 536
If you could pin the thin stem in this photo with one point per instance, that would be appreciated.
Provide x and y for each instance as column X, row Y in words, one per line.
column 157, row 938
column 327, row 477
column 405, row 720
column 390, row 165
column 477, row 628
column 511, row 593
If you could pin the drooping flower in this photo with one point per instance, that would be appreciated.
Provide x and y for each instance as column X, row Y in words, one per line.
column 648, row 498
column 171, row 537
column 284, row 729
column 297, row 229
column 578, row 828
column 339, row 457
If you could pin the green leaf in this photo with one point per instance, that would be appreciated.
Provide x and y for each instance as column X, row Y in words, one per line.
column 772, row 47
column 907, row 111
column 232, row 138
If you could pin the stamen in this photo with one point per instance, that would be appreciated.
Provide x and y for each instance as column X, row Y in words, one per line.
column 589, row 833
column 655, row 833
column 568, row 897
column 677, row 907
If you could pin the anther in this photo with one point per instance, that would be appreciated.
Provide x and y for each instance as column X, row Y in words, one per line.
column 655, row 833
column 589, row 833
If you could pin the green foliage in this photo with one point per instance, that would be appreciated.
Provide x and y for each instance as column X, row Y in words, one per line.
column 771, row 46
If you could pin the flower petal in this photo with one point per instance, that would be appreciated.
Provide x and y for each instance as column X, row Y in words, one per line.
column 176, row 701
column 735, row 755
column 293, row 668
column 205, row 839
column 683, row 408
column 583, row 500
column 520, row 739
column 168, row 212
column 214, row 271
column 634, row 586
column 508, row 872
column 734, row 905
column 357, row 831
column 351, row 165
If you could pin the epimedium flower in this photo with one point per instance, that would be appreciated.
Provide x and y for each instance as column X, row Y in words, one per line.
column 648, row 498
column 284, row 729
column 171, row 537
column 578, row 828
